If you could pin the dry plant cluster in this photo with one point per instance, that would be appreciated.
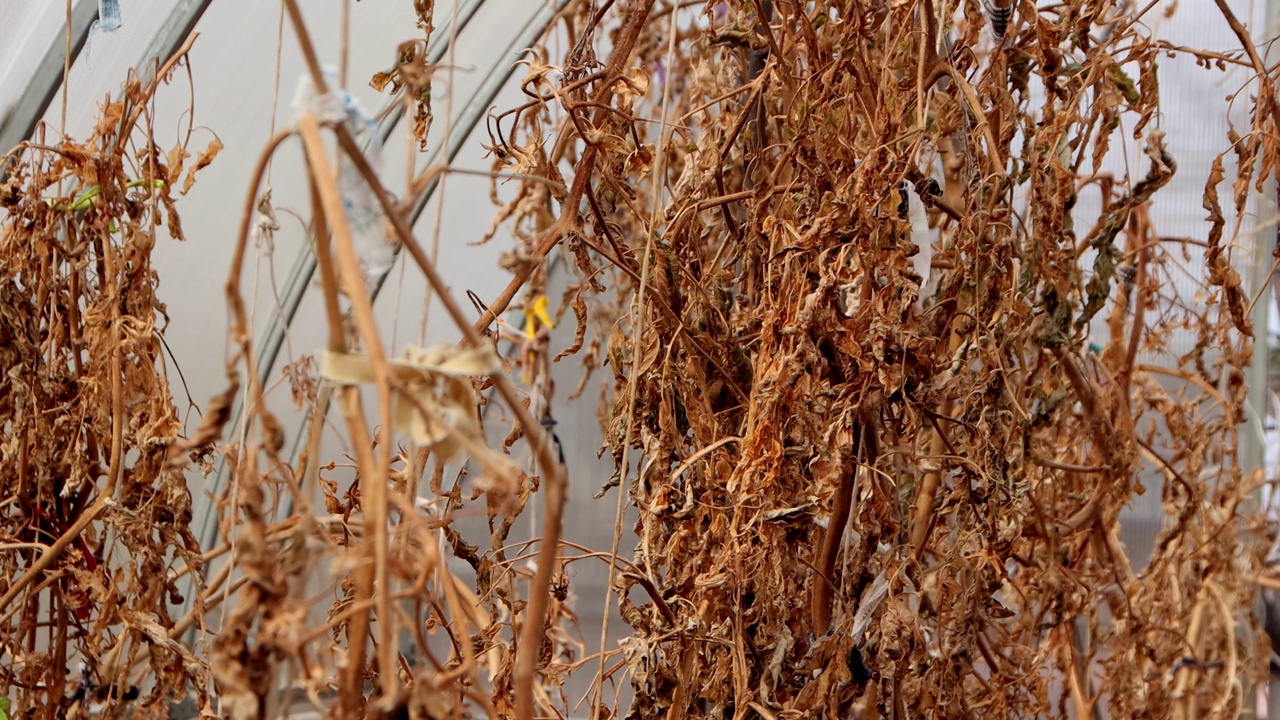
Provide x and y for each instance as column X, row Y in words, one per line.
column 873, row 483
column 830, row 255
column 96, row 519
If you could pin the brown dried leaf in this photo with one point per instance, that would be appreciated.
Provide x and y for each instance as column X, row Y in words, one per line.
column 206, row 157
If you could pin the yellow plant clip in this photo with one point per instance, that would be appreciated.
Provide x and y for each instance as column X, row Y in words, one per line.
column 535, row 315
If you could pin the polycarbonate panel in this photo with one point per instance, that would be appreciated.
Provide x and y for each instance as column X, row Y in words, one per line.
column 102, row 67
column 26, row 30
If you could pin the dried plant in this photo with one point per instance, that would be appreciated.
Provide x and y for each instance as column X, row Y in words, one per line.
column 96, row 520
column 880, row 467
column 832, row 256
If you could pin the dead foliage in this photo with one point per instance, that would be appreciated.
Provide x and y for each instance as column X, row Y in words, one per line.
column 831, row 256
column 880, row 465
column 384, row 545
column 96, row 519
column 881, row 457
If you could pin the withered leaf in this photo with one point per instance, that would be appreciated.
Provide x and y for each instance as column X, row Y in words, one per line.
column 202, row 161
